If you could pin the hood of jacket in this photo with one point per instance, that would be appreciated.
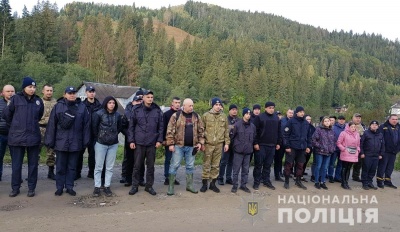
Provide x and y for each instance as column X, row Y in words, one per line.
column 105, row 102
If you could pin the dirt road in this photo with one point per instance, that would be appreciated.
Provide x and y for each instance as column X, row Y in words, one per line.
column 184, row 211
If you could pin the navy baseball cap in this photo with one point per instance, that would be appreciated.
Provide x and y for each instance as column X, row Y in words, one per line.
column 70, row 89
column 90, row 88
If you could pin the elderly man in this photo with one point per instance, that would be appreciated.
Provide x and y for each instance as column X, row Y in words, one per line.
column 8, row 92
column 185, row 135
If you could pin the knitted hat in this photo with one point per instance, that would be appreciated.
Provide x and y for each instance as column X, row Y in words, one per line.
column 27, row 81
column 246, row 111
column 298, row 109
column 215, row 100
column 257, row 106
column 268, row 104
column 233, row 106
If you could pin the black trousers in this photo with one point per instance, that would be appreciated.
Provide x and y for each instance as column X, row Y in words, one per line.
column 278, row 161
column 127, row 164
column 346, row 167
column 385, row 167
column 357, row 168
column 298, row 155
column 91, row 159
column 142, row 154
column 17, row 157
column 66, row 169
column 369, row 167
column 262, row 164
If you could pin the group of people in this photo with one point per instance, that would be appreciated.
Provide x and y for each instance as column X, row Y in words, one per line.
column 69, row 126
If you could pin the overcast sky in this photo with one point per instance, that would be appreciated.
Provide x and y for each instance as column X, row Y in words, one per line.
column 372, row 16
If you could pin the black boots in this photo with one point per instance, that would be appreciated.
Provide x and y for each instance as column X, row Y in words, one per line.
column 204, row 187
column 51, row 175
column 345, row 177
column 286, row 185
column 299, row 183
column 213, row 187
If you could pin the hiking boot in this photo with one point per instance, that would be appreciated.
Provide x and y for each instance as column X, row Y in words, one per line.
column 108, row 192
column 371, row 185
column 203, row 188
column 317, row 185
column 324, row 186
column 213, row 187
column 269, row 185
column 234, row 189
column 244, row 188
column 299, row 183
column 221, row 181
column 71, row 192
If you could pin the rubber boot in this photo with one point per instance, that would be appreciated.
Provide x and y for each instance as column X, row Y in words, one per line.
column 286, row 185
column 171, row 185
column 189, row 183
column 204, row 187
column 299, row 183
column 213, row 187
column 51, row 175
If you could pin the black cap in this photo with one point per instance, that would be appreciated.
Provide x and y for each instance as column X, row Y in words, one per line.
column 268, row 104
column 137, row 98
column 233, row 106
column 90, row 88
column 374, row 122
column 341, row 117
column 146, row 92
column 298, row 109
column 257, row 106
column 70, row 89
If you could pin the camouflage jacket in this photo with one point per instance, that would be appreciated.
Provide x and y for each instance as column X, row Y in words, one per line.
column 216, row 128
column 176, row 130
column 48, row 106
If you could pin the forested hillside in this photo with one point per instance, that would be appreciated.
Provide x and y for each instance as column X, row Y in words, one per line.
column 242, row 57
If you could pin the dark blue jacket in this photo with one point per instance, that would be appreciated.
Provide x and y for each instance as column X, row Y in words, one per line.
column 146, row 125
column 297, row 134
column 337, row 128
column 372, row 143
column 23, row 116
column 268, row 127
column 106, row 126
column 73, row 139
column 243, row 135
column 3, row 124
column 388, row 131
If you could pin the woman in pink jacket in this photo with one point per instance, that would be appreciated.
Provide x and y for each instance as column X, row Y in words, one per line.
column 349, row 145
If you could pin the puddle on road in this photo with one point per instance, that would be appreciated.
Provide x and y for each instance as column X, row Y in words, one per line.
column 88, row 201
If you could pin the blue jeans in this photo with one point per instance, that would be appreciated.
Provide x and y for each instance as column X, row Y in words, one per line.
column 3, row 146
column 331, row 170
column 177, row 156
column 107, row 153
column 167, row 162
column 321, row 167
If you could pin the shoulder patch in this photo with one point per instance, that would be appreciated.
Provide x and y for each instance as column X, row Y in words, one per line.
column 286, row 129
column 385, row 128
column 37, row 102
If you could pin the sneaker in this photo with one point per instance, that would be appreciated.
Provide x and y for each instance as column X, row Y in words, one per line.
column 317, row 186
column 133, row 191
column 365, row 187
column 371, row 185
column 269, row 185
column 31, row 193
column 71, row 192
column 324, row 186
column 122, row 180
column 14, row 193
column 59, row 192
column 234, row 189
column 244, row 188
column 108, row 192
column 255, row 186
column 390, row 185
column 150, row 190
column 96, row 192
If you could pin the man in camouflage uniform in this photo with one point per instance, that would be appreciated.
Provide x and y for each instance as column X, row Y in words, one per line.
column 216, row 133
column 360, row 128
column 49, row 103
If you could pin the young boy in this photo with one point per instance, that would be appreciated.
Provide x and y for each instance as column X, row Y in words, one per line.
column 372, row 148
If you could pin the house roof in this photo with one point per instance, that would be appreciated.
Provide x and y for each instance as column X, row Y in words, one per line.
column 117, row 91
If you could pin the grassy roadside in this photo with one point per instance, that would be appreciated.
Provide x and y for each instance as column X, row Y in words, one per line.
column 159, row 158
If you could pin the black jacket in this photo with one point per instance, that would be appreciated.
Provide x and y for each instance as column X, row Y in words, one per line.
column 268, row 127
column 22, row 116
column 106, row 126
column 3, row 124
column 243, row 135
column 72, row 139
column 388, row 131
column 297, row 134
column 372, row 143
column 167, row 116
column 146, row 125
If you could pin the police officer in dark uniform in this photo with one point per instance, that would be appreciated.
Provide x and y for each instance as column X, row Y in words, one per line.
column 68, row 133
column 92, row 104
column 23, row 115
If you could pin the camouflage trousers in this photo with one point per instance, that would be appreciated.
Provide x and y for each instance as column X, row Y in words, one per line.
column 50, row 154
column 211, row 160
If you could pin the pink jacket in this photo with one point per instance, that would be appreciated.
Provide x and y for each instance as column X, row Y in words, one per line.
column 348, row 139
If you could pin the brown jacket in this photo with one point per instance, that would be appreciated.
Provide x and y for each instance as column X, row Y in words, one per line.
column 176, row 130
